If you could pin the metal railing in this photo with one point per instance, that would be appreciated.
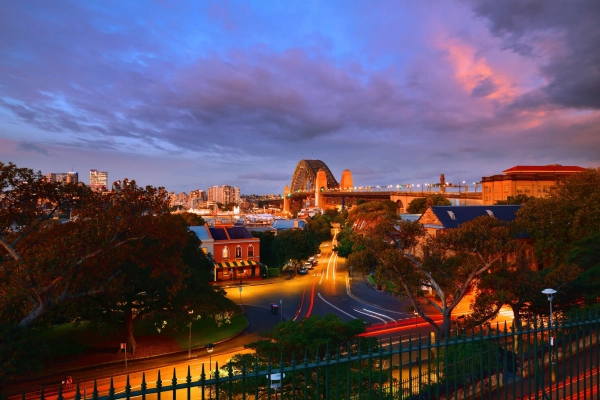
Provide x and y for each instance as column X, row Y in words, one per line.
column 534, row 362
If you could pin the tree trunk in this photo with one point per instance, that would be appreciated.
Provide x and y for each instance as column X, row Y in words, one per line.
column 129, row 339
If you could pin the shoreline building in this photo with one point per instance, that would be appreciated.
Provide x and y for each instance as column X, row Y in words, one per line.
column 98, row 180
column 528, row 180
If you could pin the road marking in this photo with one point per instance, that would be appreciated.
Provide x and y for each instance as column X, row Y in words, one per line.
column 381, row 315
column 340, row 310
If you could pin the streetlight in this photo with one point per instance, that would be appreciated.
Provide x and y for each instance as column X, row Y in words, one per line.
column 209, row 349
column 191, row 312
column 550, row 293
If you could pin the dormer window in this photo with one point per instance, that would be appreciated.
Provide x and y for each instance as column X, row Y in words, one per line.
column 490, row 213
column 451, row 214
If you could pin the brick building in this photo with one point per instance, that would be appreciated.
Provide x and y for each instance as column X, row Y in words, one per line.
column 528, row 180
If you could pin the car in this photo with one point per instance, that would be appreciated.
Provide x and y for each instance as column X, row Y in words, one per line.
column 316, row 262
column 308, row 265
column 311, row 259
column 302, row 271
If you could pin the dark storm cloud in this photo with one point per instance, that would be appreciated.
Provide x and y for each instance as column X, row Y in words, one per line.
column 565, row 36
column 26, row 146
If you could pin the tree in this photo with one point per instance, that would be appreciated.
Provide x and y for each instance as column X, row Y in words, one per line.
column 115, row 241
column 319, row 226
column 296, row 245
column 420, row 204
column 268, row 253
column 192, row 219
column 515, row 200
column 447, row 264
column 567, row 215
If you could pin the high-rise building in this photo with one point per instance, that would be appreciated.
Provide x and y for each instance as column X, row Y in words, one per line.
column 73, row 177
column 57, row 177
column 224, row 194
column 98, row 180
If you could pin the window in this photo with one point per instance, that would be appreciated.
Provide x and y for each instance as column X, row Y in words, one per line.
column 527, row 189
column 205, row 250
column 519, row 189
column 505, row 188
column 225, row 252
column 250, row 251
column 238, row 252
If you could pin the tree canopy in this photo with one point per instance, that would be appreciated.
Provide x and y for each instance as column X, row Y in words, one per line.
column 120, row 250
column 420, row 204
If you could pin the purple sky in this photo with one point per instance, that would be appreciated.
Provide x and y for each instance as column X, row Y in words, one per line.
column 191, row 94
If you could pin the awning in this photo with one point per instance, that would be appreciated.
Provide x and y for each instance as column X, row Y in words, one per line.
column 234, row 264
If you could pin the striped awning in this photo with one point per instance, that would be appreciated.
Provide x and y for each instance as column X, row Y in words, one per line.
column 234, row 264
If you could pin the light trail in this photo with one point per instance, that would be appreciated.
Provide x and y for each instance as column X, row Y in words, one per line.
column 301, row 304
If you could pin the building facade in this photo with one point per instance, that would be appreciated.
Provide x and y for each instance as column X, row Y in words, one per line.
column 98, row 180
column 224, row 194
column 528, row 180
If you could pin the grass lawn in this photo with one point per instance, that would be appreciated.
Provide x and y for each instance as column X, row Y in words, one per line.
column 389, row 286
column 71, row 339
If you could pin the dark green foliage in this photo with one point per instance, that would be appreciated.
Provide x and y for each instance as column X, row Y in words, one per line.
column 515, row 200
column 268, row 255
column 296, row 245
column 320, row 227
column 313, row 334
column 192, row 219
column 420, row 204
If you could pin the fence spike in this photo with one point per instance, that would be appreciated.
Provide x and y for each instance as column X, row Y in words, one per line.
column 188, row 378
column 95, row 393
column 143, row 386
column 42, row 392
column 158, row 381
column 127, row 385
column 59, row 397
column 111, row 389
column 174, row 380
column 77, row 392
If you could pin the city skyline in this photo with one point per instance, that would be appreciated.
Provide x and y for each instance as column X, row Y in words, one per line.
column 192, row 95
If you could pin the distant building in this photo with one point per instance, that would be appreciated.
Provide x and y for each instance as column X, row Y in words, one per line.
column 224, row 194
column 98, row 180
column 63, row 177
column 437, row 218
column 528, row 180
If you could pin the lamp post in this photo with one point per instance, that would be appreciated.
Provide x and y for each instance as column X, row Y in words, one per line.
column 191, row 312
column 550, row 293
column 209, row 349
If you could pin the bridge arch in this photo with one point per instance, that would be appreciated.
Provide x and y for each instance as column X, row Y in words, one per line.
column 305, row 175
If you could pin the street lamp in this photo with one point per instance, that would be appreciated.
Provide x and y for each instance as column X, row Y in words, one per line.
column 191, row 312
column 550, row 293
column 209, row 349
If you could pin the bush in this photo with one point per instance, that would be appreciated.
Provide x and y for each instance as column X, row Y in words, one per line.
column 273, row 272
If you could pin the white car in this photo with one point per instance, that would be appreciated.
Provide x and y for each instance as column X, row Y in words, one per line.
column 308, row 265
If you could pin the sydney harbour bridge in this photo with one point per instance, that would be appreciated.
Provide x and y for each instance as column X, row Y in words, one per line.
column 314, row 185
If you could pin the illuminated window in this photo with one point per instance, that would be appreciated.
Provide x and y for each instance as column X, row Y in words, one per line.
column 519, row 189
column 238, row 252
column 225, row 252
column 505, row 188
column 251, row 251
column 527, row 189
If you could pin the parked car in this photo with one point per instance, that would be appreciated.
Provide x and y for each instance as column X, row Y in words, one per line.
column 302, row 271
column 316, row 262
column 308, row 265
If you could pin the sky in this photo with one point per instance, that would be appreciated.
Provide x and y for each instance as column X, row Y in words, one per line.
column 192, row 94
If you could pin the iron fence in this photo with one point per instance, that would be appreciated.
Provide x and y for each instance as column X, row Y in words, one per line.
column 534, row 362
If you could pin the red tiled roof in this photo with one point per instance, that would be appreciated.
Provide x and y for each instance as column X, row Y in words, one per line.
column 543, row 168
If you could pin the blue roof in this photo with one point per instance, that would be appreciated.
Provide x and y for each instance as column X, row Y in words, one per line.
column 239, row 232
column 463, row 214
column 201, row 232
column 218, row 233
